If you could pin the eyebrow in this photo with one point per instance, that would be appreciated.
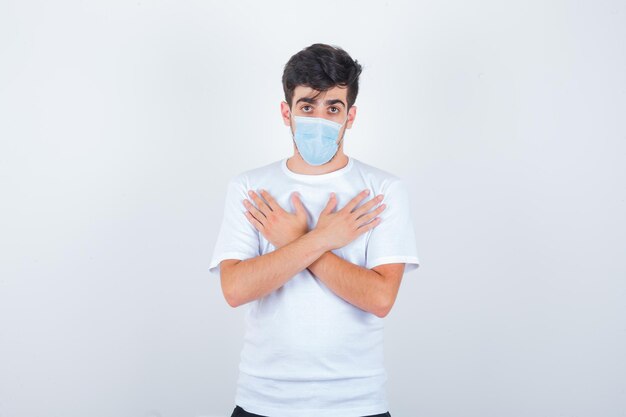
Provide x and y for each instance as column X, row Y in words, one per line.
column 327, row 102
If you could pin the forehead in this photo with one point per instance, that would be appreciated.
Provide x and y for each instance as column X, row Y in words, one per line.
column 333, row 93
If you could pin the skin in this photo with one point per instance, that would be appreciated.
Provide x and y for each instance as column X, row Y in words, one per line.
column 297, row 248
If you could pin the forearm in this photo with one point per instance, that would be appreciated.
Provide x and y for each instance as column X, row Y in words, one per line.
column 357, row 285
column 256, row 277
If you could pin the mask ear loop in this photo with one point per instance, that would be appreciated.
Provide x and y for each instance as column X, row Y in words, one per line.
column 344, row 132
column 293, row 136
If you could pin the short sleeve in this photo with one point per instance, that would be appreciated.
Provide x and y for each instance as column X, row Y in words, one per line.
column 237, row 237
column 393, row 239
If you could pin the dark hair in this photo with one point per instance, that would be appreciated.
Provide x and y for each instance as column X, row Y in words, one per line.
column 322, row 67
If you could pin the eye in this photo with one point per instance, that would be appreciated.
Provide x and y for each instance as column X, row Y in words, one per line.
column 336, row 108
column 303, row 107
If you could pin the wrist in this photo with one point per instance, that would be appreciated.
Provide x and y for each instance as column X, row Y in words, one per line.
column 321, row 242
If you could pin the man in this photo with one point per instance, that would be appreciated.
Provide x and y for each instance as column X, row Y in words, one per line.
column 316, row 259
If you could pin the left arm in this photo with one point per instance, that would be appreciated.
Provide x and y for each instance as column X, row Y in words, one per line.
column 372, row 290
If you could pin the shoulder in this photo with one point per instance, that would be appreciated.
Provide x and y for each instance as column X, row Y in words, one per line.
column 378, row 178
column 254, row 175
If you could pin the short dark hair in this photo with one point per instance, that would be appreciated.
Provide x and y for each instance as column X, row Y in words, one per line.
column 322, row 67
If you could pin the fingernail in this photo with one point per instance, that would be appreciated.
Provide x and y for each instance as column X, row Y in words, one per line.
column 367, row 191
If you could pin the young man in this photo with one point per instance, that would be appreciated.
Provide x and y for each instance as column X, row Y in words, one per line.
column 309, row 246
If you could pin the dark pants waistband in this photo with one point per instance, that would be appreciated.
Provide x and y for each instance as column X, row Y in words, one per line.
column 240, row 412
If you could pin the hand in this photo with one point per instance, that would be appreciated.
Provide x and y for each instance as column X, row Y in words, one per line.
column 278, row 226
column 342, row 227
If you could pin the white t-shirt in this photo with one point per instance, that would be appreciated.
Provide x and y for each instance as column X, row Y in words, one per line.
column 307, row 352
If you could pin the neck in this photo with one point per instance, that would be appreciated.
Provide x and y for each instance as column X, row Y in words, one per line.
column 300, row 166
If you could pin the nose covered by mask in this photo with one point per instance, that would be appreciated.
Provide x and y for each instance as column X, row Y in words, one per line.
column 316, row 138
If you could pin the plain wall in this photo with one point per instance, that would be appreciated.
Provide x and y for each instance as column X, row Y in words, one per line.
column 121, row 123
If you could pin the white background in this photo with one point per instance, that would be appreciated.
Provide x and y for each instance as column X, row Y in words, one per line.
column 121, row 123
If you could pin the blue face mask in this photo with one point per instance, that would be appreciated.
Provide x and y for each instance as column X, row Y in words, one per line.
column 316, row 138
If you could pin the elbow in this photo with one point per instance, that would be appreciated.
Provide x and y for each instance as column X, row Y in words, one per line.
column 382, row 311
column 230, row 300
column 383, row 308
column 230, row 295
column 228, row 287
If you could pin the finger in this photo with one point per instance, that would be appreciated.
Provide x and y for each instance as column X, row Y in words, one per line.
column 370, row 225
column 260, row 204
column 368, row 206
column 297, row 203
column 332, row 202
column 271, row 202
column 257, row 224
column 352, row 203
column 368, row 216
column 254, row 211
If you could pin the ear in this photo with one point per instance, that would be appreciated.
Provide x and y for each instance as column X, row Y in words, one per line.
column 351, row 116
column 285, row 113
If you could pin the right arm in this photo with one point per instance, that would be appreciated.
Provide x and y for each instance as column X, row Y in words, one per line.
column 250, row 279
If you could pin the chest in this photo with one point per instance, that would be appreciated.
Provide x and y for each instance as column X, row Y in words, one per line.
column 314, row 199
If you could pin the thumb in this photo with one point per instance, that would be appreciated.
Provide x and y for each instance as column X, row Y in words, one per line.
column 332, row 202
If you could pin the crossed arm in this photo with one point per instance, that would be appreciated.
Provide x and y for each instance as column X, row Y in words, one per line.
column 373, row 290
